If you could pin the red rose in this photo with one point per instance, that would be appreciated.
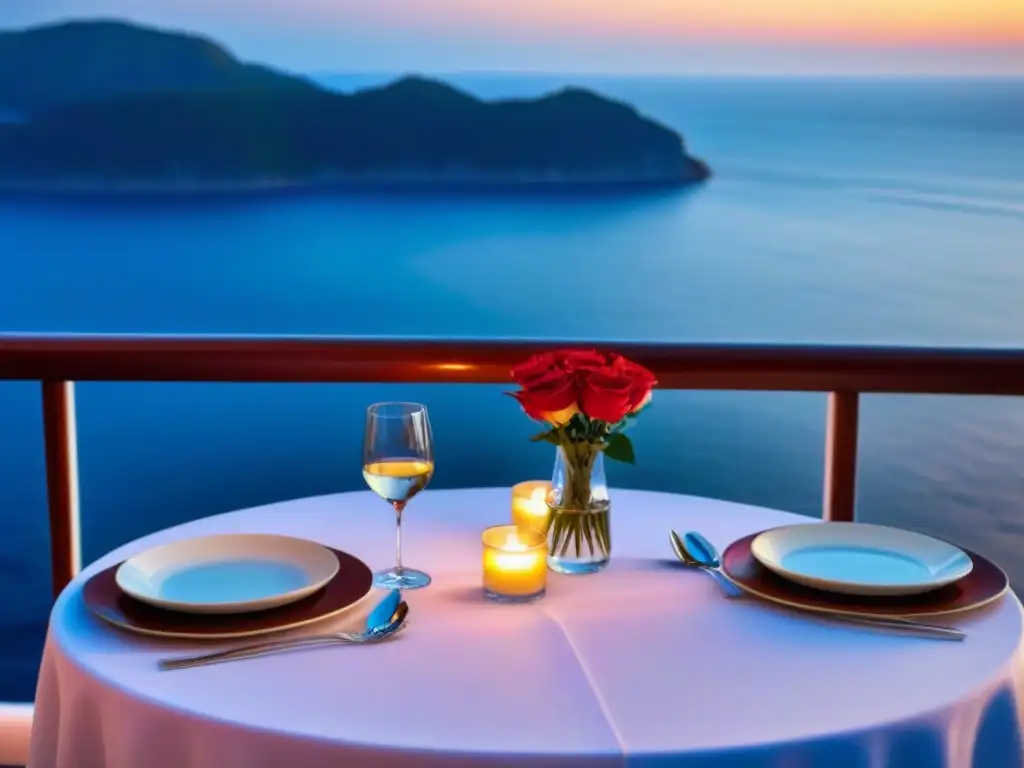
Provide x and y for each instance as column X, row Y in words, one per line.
column 605, row 394
column 642, row 381
column 578, row 360
column 547, row 394
column 536, row 367
column 605, row 386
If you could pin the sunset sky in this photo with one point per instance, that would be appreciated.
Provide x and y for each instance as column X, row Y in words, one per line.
column 627, row 36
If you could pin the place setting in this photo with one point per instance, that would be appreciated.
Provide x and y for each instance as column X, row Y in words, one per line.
column 239, row 586
column 227, row 586
column 246, row 585
column 858, row 573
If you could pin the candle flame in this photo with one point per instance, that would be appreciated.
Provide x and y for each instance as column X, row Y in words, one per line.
column 513, row 544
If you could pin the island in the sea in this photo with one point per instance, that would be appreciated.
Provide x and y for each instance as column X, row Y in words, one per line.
column 108, row 105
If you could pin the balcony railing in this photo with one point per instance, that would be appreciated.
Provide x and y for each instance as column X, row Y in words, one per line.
column 844, row 372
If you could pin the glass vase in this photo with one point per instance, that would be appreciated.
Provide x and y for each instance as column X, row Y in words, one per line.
column 579, row 534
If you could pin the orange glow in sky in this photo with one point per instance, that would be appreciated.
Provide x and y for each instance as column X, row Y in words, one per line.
column 671, row 36
column 869, row 22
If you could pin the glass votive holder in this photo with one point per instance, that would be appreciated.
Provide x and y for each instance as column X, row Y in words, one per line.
column 530, row 505
column 515, row 564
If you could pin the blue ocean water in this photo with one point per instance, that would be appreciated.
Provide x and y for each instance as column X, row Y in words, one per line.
column 841, row 211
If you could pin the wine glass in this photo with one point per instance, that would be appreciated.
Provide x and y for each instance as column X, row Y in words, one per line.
column 398, row 461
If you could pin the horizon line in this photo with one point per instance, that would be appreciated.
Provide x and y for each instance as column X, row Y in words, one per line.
column 895, row 75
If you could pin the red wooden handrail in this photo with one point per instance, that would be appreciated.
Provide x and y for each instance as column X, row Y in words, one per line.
column 843, row 371
column 820, row 368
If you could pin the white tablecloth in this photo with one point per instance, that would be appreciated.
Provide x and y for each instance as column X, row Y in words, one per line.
column 643, row 664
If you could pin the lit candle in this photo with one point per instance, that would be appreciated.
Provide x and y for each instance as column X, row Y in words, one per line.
column 515, row 563
column 530, row 505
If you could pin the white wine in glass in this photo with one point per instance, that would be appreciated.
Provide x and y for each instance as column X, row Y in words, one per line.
column 398, row 462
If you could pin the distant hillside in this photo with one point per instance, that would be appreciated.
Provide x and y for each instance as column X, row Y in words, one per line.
column 59, row 64
column 157, row 109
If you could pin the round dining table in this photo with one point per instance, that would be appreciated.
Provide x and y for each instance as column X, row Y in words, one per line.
column 646, row 663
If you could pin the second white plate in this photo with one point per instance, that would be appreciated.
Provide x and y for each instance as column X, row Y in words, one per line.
column 860, row 558
column 230, row 573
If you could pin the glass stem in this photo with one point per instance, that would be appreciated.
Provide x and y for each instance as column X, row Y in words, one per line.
column 399, row 506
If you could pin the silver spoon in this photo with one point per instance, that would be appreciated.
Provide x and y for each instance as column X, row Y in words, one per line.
column 374, row 633
column 703, row 554
column 691, row 551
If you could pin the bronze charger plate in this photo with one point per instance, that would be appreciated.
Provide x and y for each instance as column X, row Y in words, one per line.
column 985, row 584
column 105, row 599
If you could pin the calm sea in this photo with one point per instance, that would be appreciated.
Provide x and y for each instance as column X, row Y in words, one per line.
column 842, row 211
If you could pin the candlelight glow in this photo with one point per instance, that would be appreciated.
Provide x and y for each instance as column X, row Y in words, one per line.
column 514, row 563
column 530, row 504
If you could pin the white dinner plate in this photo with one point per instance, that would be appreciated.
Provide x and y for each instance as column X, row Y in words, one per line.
column 860, row 559
column 230, row 573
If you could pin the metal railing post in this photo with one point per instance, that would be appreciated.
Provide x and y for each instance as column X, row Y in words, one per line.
column 62, row 481
column 841, row 457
